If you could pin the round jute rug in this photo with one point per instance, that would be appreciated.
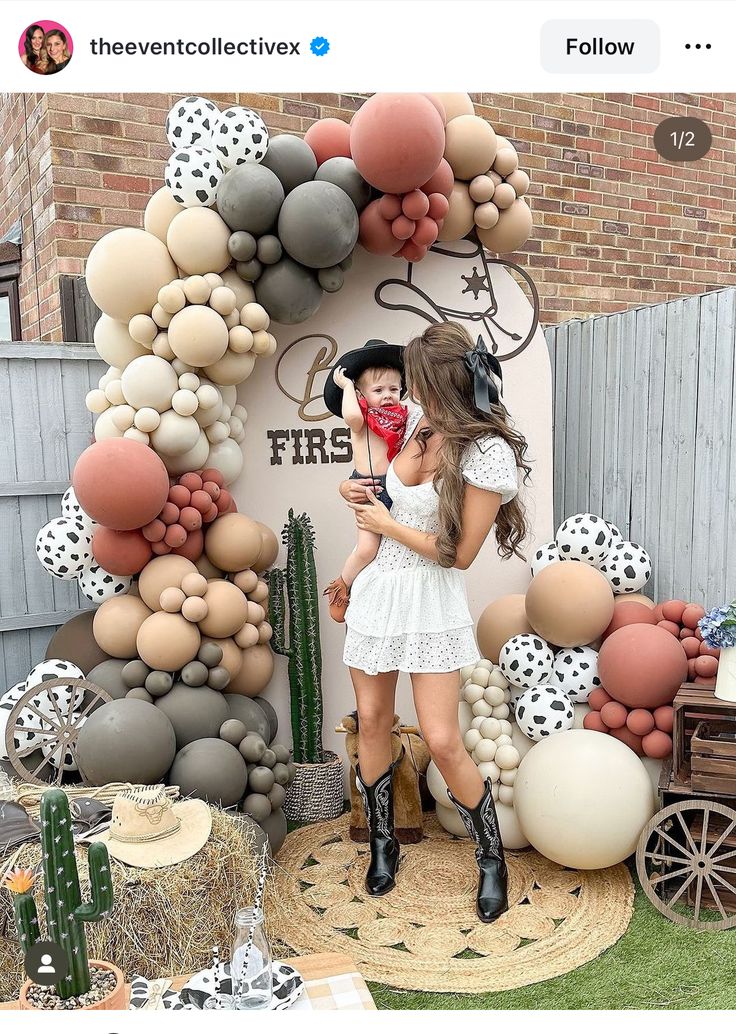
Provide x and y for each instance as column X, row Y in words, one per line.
column 425, row 935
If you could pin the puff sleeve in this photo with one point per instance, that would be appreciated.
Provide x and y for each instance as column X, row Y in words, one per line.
column 490, row 464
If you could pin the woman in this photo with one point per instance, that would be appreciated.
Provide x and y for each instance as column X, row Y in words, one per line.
column 36, row 56
column 56, row 44
column 456, row 476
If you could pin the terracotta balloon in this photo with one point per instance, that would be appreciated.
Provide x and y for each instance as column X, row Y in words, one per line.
column 594, row 722
column 629, row 738
column 125, row 271
column 227, row 610
column 629, row 613
column 120, row 552
column 459, row 219
column 657, row 744
column 269, row 549
column 502, row 619
column 640, row 721
column 470, row 146
column 255, row 672
column 613, row 715
column 569, row 603
column 375, row 233
column 163, row 572
column 598, row 698
column 642, row 665
column 441, row 181
column 120, row 483
column 512, row 230
column 116, row 625
column 664, row 718
column 397, row 140
column 635, row 597
column 167, row 642
column 233, row 542
column 329, row 138
column 193, row 547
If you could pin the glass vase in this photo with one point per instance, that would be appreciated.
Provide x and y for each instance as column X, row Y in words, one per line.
column 251, row 976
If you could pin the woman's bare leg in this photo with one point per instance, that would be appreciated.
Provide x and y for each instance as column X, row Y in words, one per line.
column 375, row 696
column 435, row 699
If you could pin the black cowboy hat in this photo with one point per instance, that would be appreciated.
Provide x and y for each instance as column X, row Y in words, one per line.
column 374, row 353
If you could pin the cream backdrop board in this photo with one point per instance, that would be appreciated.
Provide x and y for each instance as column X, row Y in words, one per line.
column 296, row 453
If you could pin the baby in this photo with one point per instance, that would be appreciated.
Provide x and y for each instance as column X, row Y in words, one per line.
column 370, row 406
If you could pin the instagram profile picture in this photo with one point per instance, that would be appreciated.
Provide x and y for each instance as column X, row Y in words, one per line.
column 45, row 47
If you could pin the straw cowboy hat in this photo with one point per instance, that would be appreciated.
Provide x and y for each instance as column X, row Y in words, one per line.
column 149, row 832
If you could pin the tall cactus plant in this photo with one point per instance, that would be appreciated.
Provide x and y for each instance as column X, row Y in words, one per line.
column 66, row 913
column 298, row 584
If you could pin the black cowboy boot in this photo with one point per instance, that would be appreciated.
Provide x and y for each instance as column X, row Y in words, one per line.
column 482, row 825
column 378, row 801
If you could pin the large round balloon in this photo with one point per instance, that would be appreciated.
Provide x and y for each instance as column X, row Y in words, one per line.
column 125, row 271
column 157, row 217
column 291, row 159
column 64, row 547
column 114, row 343
column 318, row 224
column 289, row 292
column 511, row 231
column 569, row 603
column 120, row 552
column 194, row 712
column 239, row 136
column 211, row 770
column 502, row 619
column 249, row 198
column 126, row 741
column 328, row 138
column 642, row 665
column 121, row 483
column 193, row 175
column 470, row 146
column 149, row 383
column 116, row 625
column 582, row 799
column 75, row 642
column 197, row 239
column 397, row 141
column 233, row 542
column 190, row 122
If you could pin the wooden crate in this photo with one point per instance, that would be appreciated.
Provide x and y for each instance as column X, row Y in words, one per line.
column 692, row 705
column 672, row 789
column 713, row 756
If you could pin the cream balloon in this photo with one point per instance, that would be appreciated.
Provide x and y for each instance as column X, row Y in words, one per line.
column 232, row 368
column 159, row 212
column 125, row 271
column 194, row 459
column 459, row 219
column 149, row 382
column 114, row 343
column 470, row 146
column 197, row 240
column 198, row 335
column 455, row 104
column 227, row 457
column 175, row 434
column 105, row 426
column 511, row 231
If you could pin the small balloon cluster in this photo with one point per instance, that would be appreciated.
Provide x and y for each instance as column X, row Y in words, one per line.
column 196, row 499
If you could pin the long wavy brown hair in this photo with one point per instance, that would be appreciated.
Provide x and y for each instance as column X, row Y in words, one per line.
column 437, row 377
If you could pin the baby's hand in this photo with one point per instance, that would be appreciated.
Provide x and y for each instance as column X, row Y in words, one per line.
column 341, row 378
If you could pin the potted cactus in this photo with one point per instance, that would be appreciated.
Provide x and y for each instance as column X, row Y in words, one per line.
column 66, row 913
column 317, row 791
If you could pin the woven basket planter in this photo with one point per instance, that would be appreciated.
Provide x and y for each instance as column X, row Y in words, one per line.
column 317, row 793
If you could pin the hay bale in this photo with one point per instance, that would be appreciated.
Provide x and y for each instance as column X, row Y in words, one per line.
column 164, row 921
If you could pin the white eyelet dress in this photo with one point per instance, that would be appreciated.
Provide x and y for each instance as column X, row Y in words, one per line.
column 407, row 613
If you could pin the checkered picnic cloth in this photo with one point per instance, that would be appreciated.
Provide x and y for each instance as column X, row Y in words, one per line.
column 343, row 991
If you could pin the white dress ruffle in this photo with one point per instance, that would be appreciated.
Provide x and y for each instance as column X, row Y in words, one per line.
column 407, row 613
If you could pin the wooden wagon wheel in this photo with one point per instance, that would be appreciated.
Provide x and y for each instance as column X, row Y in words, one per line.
column 686, row 862
column 56, row 726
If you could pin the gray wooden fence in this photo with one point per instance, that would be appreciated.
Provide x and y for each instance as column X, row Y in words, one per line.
column 44, row 428
column 645, row 435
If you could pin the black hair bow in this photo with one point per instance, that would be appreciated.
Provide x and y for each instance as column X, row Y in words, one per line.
column 482, row 367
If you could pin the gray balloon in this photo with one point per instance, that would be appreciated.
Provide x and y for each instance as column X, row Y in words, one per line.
column 253, row 831
column 218, row 678
column 248, row 712
column 249, row 198
column 344, row 174
column 135, row 673
column 291, row 160
column 318, row 224
column 288, row 291
column 232, row 731
column 159, row 683
column 331, row 279
column 270, row 713
column 275, row 829
column 269, row 249
column 126, row 741
column 249, row 271
column 139, row 693
column 109, row 676
column 261, row 780
column 252, row 747
column 210, row 654
column 210, row 769
column 242, row 246
column 277, row 796
column 281, row 774
column 282, row 753
column 194, row 674
column 268, row 758
column 194, row 711
column 257, row 805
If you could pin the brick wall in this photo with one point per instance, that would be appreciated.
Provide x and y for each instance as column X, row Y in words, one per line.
column 614, row 225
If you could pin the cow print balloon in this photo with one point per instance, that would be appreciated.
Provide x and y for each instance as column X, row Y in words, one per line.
column 45, row 671
column 240, row 136
column 59, row 755
column 628, row 567
column 193, row 175
column 526, row 660
column 585, row 537
column 70, row 507
column 544, row 710
column 575, row 672
column 99, row 585
column 190, row 122
column 64, row 547
column 544, row 555
column 7, row 702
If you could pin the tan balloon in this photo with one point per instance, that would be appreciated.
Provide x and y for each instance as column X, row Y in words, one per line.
column 243, row 292
column 114, row 343
column 194, row 584
column 481, row 189
column 175, row 434
column 269, row 550
column 167, row 641
column 116, row 624
column 171, row 600
column 143, row 330
column 256, row 672
column 198, row 335
column 194, row 609
column 501, row 620
column 246, row 581
column 569, row 604
column 506, row 161
column 125, row 271
column 256, row 613
column 265, row 632
column 247, row 636
column 260, row 593
column 233, row 542
column 232, row 656
column 504, row 195
column 634, row 597
column 511, row 231
column 519, row 181
column 486, row 215
column 206, row 568
column 227, row 610
column 197, row 239
column 163, row 572
column 470, row 146
column 455, row 104
column 159, row 212
column 232, row 368
column 459, row 219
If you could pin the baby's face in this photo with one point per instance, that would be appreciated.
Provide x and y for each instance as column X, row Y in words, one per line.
column 383, row 389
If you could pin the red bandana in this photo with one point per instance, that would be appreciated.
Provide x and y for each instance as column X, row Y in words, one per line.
column 388, row 422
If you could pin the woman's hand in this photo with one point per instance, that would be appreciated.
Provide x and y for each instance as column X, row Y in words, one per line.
column 373, row 515
column 355, row 490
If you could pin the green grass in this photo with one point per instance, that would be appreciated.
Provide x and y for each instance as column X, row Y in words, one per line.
column 655, row 965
